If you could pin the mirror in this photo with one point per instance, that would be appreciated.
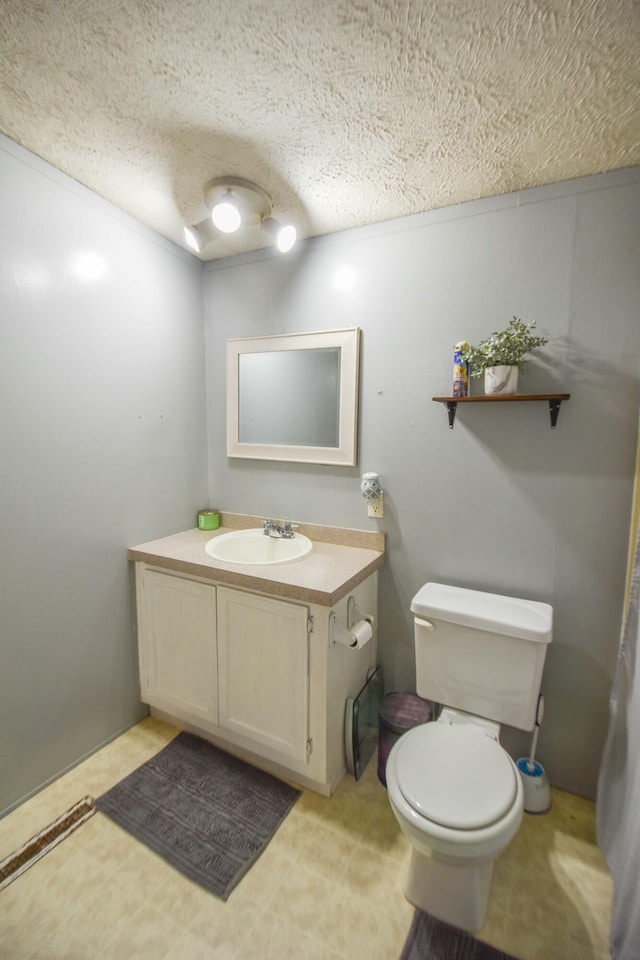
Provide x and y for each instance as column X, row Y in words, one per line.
column 294, row 397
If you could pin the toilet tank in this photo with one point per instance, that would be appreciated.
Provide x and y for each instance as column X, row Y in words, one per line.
column 481, row 652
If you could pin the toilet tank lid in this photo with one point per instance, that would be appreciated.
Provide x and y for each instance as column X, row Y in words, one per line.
column 526, row 619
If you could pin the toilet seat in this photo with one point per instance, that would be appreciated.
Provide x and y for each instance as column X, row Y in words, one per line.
column 455, row 777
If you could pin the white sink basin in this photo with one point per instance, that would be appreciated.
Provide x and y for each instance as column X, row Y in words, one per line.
column 251, row 546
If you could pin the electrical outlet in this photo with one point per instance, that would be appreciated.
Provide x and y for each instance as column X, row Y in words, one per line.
column 375, row 508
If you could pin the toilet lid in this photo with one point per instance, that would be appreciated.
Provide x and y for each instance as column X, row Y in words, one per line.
column 454, row 777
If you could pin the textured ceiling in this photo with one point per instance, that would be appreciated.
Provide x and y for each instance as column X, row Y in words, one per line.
column 346, row 112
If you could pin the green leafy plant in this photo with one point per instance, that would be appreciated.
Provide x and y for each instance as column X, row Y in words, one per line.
column 507, row 347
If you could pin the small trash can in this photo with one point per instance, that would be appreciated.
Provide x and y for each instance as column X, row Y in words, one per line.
column 398, row 713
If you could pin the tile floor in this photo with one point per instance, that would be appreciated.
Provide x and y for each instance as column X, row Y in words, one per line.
column 328, row 886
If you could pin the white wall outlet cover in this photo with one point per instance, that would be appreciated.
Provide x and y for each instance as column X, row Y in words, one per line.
column 375, row 508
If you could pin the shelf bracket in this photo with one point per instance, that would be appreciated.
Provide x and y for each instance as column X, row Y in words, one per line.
column 554, row 410
column 452, row 406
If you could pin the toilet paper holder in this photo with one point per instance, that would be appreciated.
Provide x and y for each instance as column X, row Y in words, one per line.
column 355, row 620
column 355, row 614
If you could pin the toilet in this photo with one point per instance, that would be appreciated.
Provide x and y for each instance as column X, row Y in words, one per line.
column 455, row 791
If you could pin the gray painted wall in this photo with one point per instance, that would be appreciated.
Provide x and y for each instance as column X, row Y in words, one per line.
column 502, row 502
column 102, row 445
column 103, row 436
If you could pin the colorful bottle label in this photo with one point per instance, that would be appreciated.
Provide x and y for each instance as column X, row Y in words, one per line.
column 460, row 371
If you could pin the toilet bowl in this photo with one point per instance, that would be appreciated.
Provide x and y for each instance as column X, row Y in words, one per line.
column 459, row 800
column 456, row 793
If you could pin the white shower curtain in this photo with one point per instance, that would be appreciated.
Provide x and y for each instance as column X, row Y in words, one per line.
column 618, row 806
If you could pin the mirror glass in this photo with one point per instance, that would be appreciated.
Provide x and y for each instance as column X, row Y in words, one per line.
column 289, row 397
column 294, row 397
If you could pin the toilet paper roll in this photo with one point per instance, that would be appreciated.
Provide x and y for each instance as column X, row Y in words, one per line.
column 362, row 633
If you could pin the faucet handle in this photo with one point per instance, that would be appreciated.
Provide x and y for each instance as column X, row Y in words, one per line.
column 288, row 529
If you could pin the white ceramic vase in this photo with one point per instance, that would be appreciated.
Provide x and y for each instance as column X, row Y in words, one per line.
column 501, row 379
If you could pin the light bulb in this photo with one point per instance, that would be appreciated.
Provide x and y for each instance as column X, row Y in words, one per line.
column 286, row 238
column 226, row 217
column 191, row 239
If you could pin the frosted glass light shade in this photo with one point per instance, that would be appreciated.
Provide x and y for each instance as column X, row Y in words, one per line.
column 226, row 217
column 283, row 237
column 286, row 238
column 192, row 240
column 198, row 235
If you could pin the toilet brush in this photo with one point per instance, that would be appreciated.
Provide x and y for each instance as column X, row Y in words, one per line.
column 537, row 796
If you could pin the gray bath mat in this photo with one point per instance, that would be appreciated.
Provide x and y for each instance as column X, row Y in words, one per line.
column 430, row 939
column 207, row 813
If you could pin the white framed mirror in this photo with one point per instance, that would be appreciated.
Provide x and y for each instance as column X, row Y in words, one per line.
column 294, row 397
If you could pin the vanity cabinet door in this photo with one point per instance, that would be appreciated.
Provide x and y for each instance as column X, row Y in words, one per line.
column 177, row 626
column 263, row 671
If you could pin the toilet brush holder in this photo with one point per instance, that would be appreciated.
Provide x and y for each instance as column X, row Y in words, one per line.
column 537, row 796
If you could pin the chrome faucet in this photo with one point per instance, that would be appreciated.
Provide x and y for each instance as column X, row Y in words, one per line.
column 272, row 529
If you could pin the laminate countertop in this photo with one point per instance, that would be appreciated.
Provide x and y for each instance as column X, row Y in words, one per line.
column 341, row 558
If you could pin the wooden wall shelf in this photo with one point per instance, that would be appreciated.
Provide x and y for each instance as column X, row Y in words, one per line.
column 554, row 400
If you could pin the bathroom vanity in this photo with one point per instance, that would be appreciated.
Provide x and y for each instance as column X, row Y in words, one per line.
column 246, row 655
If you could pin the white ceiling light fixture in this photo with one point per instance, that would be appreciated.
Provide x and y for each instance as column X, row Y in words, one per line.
column 226, row 216
column 283, row 235
column 200, row 234
column 234, row 203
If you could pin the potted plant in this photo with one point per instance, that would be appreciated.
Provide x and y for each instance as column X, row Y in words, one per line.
column 501, row 356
